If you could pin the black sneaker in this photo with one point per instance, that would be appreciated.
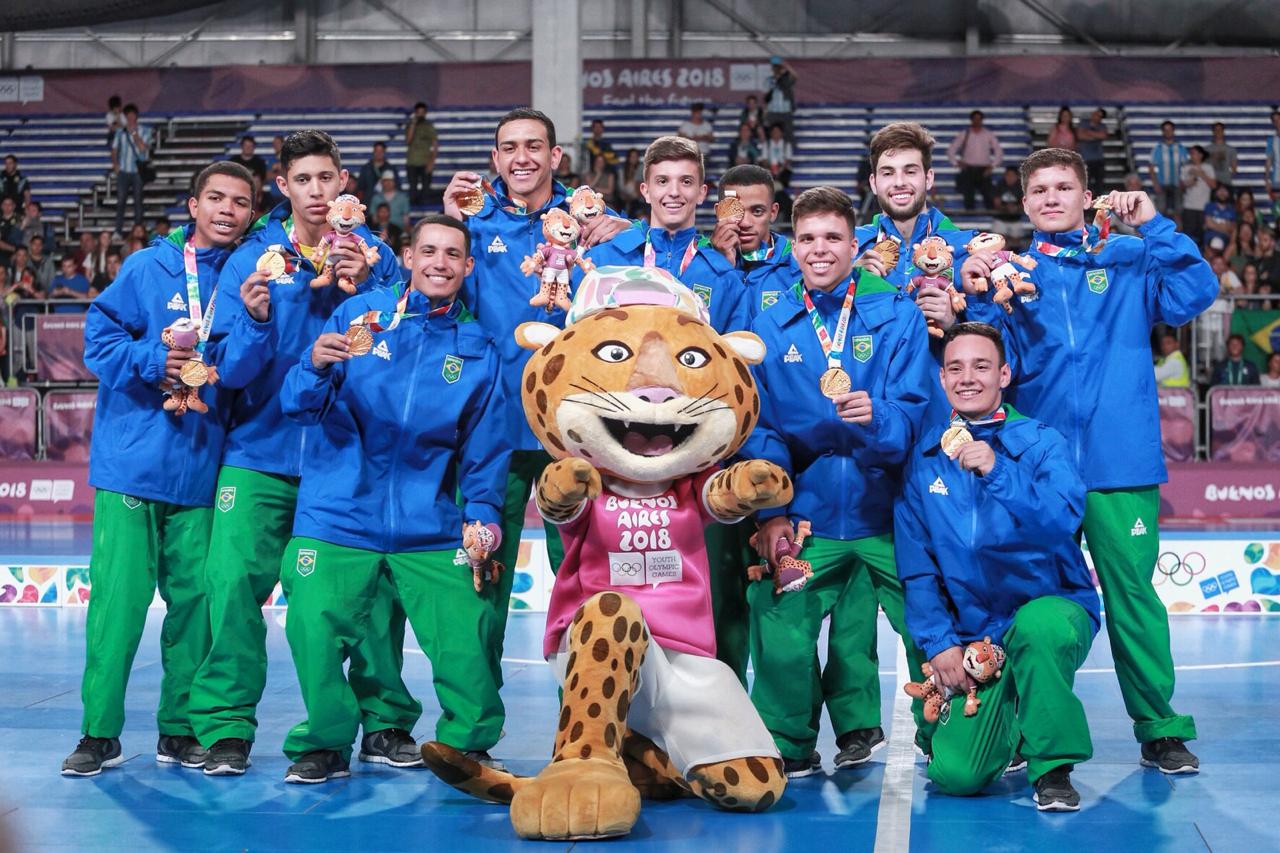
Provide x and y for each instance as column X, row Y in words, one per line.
column 395, row 747
column 795, row 768
column 1017, row 763
column 1169, row 755
column 180, row 749
column 482, row 756
column 857, row 746
column 316, row 766
column 1055, row 793
column 228, row 757
column 92, row 755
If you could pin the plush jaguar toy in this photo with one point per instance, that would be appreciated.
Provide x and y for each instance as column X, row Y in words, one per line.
column 638, row 400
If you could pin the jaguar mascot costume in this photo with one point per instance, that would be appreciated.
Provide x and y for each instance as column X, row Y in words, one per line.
column 638, row 400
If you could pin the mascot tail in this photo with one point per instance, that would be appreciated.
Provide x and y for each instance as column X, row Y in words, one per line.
column 470, row 776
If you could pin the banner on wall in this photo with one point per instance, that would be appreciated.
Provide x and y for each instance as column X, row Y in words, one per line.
column 60, row 348
column 1178, row 424
column 1244, row 424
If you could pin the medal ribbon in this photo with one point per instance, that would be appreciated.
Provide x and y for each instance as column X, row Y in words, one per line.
column 651, row 257
column 375, row 319
column 994, row 418
column 781, row 245
column 290, row 230
column 202, row 318
column 831, row 347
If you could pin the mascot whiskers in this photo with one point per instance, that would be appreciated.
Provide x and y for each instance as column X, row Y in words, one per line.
column 638, row 400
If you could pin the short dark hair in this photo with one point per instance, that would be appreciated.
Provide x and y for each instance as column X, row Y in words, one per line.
column 381, row 143
column 824, row 200
column 666, row 149
column 697, row 106
column 305, row 143
column 248, row 137
column 113, row 102
column 1236, row 337
column 978, row 113
column 222, row 167
column 981, row 330
column 11, row 157
column 422, row 104
column 130, row 108
column 445, row 220
column 899, row 135
column 529, row 113
column 1047, row 157
column 1218, row 124
column 745, row 175
column 1166, row 122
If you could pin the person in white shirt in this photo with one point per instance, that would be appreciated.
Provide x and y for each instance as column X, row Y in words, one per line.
column 1198, row 181
column 697, row 128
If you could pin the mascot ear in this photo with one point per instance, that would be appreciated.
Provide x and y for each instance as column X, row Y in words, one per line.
column 538, row 335
column 745, row 344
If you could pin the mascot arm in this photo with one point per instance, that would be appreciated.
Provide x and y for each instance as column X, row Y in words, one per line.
column 924, row 595
column 745, row 487
column 1043, row 492
column 483, row 459
column 565, row 487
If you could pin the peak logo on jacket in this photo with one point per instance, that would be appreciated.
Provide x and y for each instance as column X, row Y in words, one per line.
column 497, row 246
column 382, row 351
column 793, row 356
column 176, row 302
column 937, row 487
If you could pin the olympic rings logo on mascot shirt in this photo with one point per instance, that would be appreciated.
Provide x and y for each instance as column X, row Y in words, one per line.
column 1179, row 570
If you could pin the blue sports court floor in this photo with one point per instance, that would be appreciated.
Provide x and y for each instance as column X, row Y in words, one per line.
column 1229, row 678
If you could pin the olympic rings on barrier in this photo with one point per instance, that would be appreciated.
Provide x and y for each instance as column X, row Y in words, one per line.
column 1179, row 570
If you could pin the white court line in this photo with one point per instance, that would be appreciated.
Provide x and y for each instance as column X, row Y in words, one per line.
column 893, row 822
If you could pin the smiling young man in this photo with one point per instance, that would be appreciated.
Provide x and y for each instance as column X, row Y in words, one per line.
column 154, row 471
column 1017, row 578
column 258, row 483
column 1083, row 366
column 843, row 387
column 396, row 434
column 765, row 256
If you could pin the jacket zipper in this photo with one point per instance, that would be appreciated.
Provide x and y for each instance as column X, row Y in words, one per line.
column 404, row 420
column 1071, row 355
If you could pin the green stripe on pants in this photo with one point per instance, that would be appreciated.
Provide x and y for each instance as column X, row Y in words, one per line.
column 1048, row 641
column 332, row 592
column 252, row 525
column 848, row 577
column 137, row 544
column 1124, row 542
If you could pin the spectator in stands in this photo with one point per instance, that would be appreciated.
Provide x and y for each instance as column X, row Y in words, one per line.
column 70, row 283
column 1245, row 210
column 162, row 228
column 391, row 196
column 631, row 176
column 133, row 244
column 1223, row 157
column 1164, row 166
column 372, row 171
column 780, row 98
column 1063, row 132
column 385, row 228
column 420, row 158
column 776, row 156
column 271, row 194
column 752, row 116
column 20, row 271
column 602, row 179
column 115, row 118
column 1227, row 277
column 1008, row 195
column 130, row 147
column 137, row 232
column 10, row 229
column 782, row 196
column 41, row 262
column 1271, row 379
column 1235, row 369
column 13, row 184
column 975, row 152
column 745, row 150
column 1198, row 181
column 1268, row 260
column 564, row 172
column 104, row 279
column 1249, row 279
column 597, row 145
column 1271, row 173
column 85, row 251
column 697, row 128
column 1219, row 218
column 1171, row 367
column 1092, row 137
column 33, row 223
column 1243, row 248
column 251, row 161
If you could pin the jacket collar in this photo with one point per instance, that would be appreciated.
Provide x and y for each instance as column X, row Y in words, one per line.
column 872, row 312
column 930, row 220
column 169, row 251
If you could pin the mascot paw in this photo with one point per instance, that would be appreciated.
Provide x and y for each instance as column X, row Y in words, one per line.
column 760, row 484
column 576, row 799
column 566, row 483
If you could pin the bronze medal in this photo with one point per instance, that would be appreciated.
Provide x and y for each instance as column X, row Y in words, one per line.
column 359, row 340
column 470, row 202
column 888, row 250
column 835, row 382
column 953, row 439
column 730, row 208
column 272, row 263
column 194, row 373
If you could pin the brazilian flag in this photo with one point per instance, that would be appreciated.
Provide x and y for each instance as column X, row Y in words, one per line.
column 1261, row 331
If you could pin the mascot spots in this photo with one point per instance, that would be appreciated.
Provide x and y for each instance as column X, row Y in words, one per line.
column 638, row 399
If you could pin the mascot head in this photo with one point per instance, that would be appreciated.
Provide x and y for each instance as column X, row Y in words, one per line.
column 345, row 213
column 933, row 255
column 638, row 383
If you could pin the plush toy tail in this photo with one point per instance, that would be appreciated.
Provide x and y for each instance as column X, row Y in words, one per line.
column 469, row 776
